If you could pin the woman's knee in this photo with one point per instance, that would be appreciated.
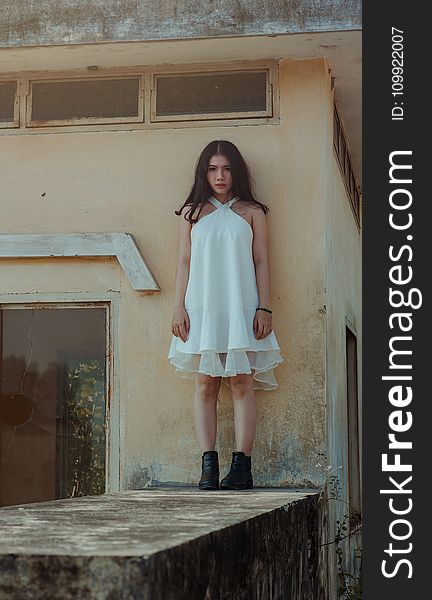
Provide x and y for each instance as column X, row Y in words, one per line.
column 206, row 385
column 242, row 384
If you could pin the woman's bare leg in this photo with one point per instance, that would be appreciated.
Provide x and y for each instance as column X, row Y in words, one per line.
column 205, row 414
column 244, row 402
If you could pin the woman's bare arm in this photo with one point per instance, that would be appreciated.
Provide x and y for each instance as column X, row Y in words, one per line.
column 183, row 262
column 180, row 321
column 263, row 320
column 260, row 255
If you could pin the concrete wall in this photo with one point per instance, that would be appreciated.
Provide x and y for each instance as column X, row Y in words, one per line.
column 343, row 301
column 343, row 304
column 49, row 22
column 159, row 544
column 132, row 182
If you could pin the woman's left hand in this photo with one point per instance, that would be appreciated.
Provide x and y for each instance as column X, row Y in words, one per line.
column 262, row 324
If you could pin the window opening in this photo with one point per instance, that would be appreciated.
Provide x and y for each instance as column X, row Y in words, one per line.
column 53, row 402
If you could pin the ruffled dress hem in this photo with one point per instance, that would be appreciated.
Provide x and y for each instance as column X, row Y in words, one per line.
column 228, row 364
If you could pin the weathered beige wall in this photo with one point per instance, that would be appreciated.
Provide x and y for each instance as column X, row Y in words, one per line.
column 343, row 302
column 132, row 182
column 343, row 284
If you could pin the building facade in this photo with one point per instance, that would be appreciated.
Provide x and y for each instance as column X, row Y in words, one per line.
column 103, row 113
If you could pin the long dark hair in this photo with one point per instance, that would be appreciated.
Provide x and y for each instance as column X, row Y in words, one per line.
column 201, row 190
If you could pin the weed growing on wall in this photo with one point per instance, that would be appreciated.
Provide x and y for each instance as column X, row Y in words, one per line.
column 349, row 584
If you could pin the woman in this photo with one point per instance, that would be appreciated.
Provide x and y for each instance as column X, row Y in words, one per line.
column 222, row 321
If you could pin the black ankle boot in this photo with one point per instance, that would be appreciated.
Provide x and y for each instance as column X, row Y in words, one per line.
column 249, row 473
column 239, row 476
column 210, row 471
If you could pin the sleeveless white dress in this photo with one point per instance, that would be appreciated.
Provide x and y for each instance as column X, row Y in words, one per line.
column 220, row 299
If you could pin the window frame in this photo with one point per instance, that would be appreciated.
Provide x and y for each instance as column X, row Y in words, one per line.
column 115, row 434
column 85, row 120
column 343, row 158
column 146, row 73
column 154, row 118
column 16, row 118
column 354, row 475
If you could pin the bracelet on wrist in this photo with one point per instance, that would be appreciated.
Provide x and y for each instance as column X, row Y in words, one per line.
column 262, row 308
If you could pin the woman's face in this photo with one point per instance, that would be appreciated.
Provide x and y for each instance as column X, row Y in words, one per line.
column 219, row 176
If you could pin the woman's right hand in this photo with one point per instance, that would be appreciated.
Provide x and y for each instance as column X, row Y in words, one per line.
column 180, row 324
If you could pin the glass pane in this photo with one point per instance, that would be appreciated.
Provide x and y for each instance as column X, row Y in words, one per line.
column 211, row 93
column 52, row 403
column 7, row 99
column 60, row 100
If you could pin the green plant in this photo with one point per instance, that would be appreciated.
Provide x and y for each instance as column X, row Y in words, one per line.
column 86, row 428
column 349, row 585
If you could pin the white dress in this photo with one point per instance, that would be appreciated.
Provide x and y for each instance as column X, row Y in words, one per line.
column 220, row 299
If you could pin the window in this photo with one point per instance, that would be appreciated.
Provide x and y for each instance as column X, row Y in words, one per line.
column 128, row 98
column 340, row 146
column 53, row 402
column 354, row 492
column 8, row 104
column 62, row 102
column 211, row 95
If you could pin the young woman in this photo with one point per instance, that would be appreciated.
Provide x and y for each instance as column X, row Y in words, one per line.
column 222, row 321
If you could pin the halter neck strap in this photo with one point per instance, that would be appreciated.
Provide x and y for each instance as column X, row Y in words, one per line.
column 218, row 204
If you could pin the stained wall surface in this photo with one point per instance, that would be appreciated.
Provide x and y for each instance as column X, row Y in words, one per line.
column 343, row 309
column 343, row 267
column 132, row 181
column 48, row 22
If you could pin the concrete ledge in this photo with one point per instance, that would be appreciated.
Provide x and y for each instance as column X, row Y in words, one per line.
column 50, row 245
column 164, row 543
